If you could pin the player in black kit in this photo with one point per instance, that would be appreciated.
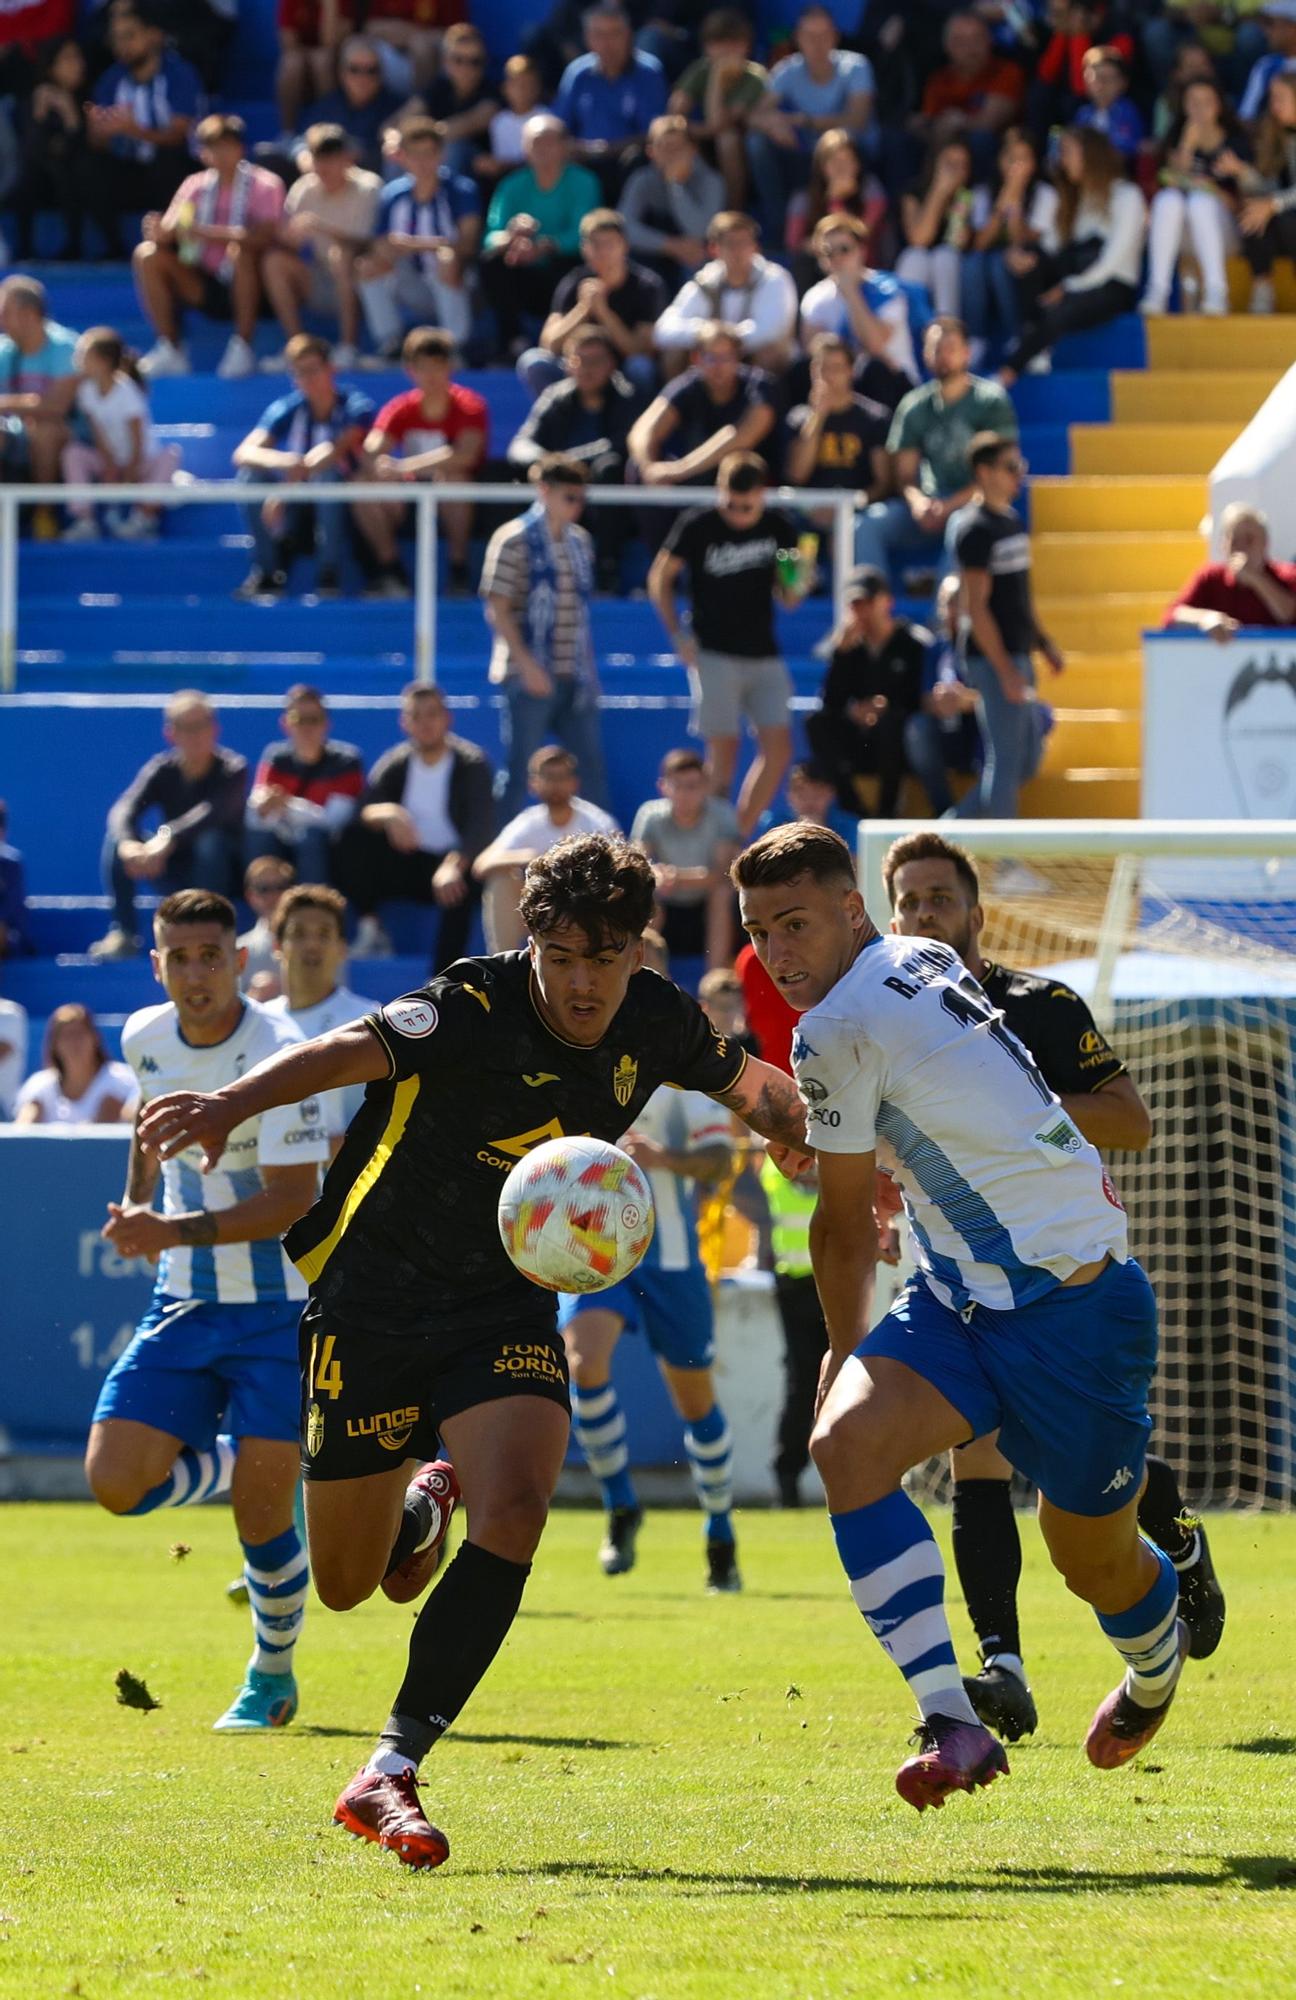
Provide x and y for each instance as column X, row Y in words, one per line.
column 417, row 1323
column 934, row 893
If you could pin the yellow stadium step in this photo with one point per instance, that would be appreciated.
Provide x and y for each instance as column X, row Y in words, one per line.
column 1108, row 624
column 1240, row 282
column 1094, row 793
column 1083, row 506
column 1084, row 737
column 1142, row 448
column 1069, row 564
column 1190, row 395
column 1236, row 341
column 1099, row 681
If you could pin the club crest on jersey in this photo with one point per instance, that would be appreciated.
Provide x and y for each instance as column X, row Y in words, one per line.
column 314, row 1429
column 624, row 1078
column 411, row 1018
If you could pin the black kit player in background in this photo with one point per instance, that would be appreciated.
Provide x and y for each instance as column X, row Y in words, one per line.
column 934, row 893
column 417, row 1322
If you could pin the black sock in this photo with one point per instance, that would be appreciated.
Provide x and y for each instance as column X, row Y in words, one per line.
column 456, row 1636
column 987, row 1555
column 1160, row 1510
column 415, row 1527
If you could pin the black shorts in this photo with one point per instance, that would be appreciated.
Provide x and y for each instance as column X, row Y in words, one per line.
column 372, row 1400
column 217, row 298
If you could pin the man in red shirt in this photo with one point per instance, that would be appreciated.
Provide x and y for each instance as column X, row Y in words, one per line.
column 436, row 430
column 1246, row 588
column 769, row 1017
column 306, row 790
column 976, row 91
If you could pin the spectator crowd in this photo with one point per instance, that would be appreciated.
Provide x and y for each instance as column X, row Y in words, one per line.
column 716, row 258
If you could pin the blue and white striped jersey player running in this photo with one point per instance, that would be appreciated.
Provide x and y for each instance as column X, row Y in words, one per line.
column 680, row 1138
column 206, row 1398
column 1027, row 1314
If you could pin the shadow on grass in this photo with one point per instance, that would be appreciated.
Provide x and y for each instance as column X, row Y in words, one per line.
column 546, row 1742
column 469, row 1736
column 1263, row 1872
column 1266, row 1746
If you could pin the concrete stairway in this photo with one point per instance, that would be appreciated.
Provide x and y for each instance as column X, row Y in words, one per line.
column 1114, row 542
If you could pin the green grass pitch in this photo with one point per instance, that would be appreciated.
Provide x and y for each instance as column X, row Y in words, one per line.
column 656, row 1795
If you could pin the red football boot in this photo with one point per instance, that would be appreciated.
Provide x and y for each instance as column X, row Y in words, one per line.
column 384, row 1808
column 953, row 1757
column 1121, row 1728
column 436, row 1481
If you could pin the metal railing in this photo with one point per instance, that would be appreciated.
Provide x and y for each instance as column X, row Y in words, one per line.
column 425, row 499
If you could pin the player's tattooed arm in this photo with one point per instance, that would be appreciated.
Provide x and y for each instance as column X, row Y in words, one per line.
column 142, row 1171
column 766, row 1099
column 196, row 1228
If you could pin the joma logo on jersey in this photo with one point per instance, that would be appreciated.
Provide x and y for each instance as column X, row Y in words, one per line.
column 514, row 1149
column 391, row 1427
column 624, row 1078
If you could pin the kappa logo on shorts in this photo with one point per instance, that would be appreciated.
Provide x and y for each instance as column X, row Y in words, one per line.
column 392, row 1428
column 1119, row 1481
column 412, row 1018
column 527, row 1358
column 314, row 1429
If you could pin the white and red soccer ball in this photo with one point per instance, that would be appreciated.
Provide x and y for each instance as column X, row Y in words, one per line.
column 576, row 1215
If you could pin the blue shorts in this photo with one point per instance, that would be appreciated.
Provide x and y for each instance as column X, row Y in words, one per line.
column 673, row 1308
column 1064, row 1381
column 193, row 1361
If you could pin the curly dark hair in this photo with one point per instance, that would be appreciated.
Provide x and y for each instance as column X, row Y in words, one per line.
column 604, row 887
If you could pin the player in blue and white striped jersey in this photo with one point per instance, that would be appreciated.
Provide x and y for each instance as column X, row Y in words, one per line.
column 205, row 1400
column 1028, row 1314
column 309, row 928
column 681, row 1138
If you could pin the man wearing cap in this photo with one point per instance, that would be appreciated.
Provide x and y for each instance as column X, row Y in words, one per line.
column 872, row 688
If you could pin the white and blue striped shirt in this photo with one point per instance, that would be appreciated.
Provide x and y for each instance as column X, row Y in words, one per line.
column 906, row 1057
column 340, row 1006
column 289, row 1136
column 683, row 1121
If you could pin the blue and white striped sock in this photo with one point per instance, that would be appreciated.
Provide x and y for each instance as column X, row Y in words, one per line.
column 599, row 1424
column 897, row 1579
column 709, row 1444
column 195, row 1476
column 278, row 1577
column 1147, row 1636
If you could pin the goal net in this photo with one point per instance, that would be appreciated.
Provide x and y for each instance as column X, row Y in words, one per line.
column 1182, row 939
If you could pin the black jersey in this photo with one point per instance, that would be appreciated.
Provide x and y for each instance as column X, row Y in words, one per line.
column 1071, row 1052
column 405, row 1228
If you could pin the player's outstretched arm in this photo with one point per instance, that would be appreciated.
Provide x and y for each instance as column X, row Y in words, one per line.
column 285, row 1193
column 1113, row 1117
column 766, row 1099
column 844, row 1253
column 352, row 1054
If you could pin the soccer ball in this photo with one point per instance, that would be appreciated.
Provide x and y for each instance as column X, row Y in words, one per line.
column 576, row 1215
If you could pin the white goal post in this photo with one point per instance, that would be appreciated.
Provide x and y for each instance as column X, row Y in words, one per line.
column 1181, row 936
